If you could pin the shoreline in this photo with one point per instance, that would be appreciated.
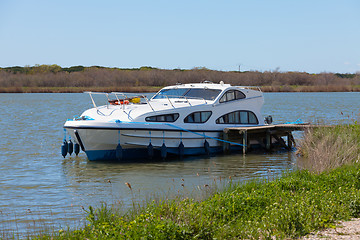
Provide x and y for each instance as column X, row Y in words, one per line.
column 54, row 78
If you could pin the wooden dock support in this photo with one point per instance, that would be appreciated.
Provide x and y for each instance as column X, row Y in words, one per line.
column 268, row 140
column 290, row 139
column 245, row 141
column 226, row 146
column 266, row 136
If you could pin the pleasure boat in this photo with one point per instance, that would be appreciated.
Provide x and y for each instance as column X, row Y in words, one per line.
column 184, row 119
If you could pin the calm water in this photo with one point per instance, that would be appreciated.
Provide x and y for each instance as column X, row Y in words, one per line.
column 39, row 188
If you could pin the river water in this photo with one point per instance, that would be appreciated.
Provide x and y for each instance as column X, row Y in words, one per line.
column 39, row 189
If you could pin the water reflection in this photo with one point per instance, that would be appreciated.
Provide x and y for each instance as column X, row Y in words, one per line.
column 95, row 182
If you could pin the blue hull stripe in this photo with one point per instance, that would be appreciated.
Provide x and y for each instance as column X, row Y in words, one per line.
column 142, row 153
column 145, row 129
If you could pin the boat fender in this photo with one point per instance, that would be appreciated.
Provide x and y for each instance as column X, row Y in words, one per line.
column 163, row 151
column 181, row 149
column 119, row 152
column 64, row 149
column 70, row 147
column 76, row 149
column 207, row 147
column 150, row 150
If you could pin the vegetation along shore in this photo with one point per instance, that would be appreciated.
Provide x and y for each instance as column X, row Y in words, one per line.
column 316, row 196
column 53, row 78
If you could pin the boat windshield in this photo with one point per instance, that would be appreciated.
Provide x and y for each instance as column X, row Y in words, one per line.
column 207, row 94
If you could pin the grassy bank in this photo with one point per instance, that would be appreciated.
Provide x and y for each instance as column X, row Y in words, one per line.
column 291, row 206
column 288, row 207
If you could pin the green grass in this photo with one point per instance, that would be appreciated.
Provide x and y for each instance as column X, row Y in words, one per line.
column 288, row 207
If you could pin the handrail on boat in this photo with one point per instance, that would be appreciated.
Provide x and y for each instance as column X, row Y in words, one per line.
column 136, row 95
column 148, row 102
column 189, row 101
column 116, row 94
column 92, row 99
column 169, row 101
column 185, row 97
column 257, row 88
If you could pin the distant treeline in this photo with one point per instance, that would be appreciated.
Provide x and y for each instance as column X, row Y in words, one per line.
column 53, row 78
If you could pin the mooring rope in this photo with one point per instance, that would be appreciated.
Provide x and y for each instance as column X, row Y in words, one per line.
column 298, row 121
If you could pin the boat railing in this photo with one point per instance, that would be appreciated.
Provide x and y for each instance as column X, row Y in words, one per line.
column 256, row 88
column 175, row 99
column 121, row 99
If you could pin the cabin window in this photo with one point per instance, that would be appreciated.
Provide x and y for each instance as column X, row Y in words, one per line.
column 244, row 116
column 207, row 94
column 163, row 118
column 198, row 117
column 195, row 93
column 238, row 117
column 171, row 93
column 232, row 95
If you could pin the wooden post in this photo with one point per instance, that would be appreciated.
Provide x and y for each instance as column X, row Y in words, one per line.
column 226, row 146
column 245, row 141
column 289, row 140
column 268, row 140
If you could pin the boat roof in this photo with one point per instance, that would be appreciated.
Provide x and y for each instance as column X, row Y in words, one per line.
column 210, row 85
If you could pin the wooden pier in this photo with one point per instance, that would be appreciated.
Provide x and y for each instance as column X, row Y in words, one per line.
column 266, row 136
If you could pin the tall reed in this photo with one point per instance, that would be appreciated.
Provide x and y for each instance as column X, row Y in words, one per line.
column 325, row 148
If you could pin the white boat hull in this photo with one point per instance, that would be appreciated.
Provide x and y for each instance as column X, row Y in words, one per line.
column 101, row 143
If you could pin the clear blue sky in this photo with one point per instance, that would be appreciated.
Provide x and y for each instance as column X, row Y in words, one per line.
column 286, row 35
